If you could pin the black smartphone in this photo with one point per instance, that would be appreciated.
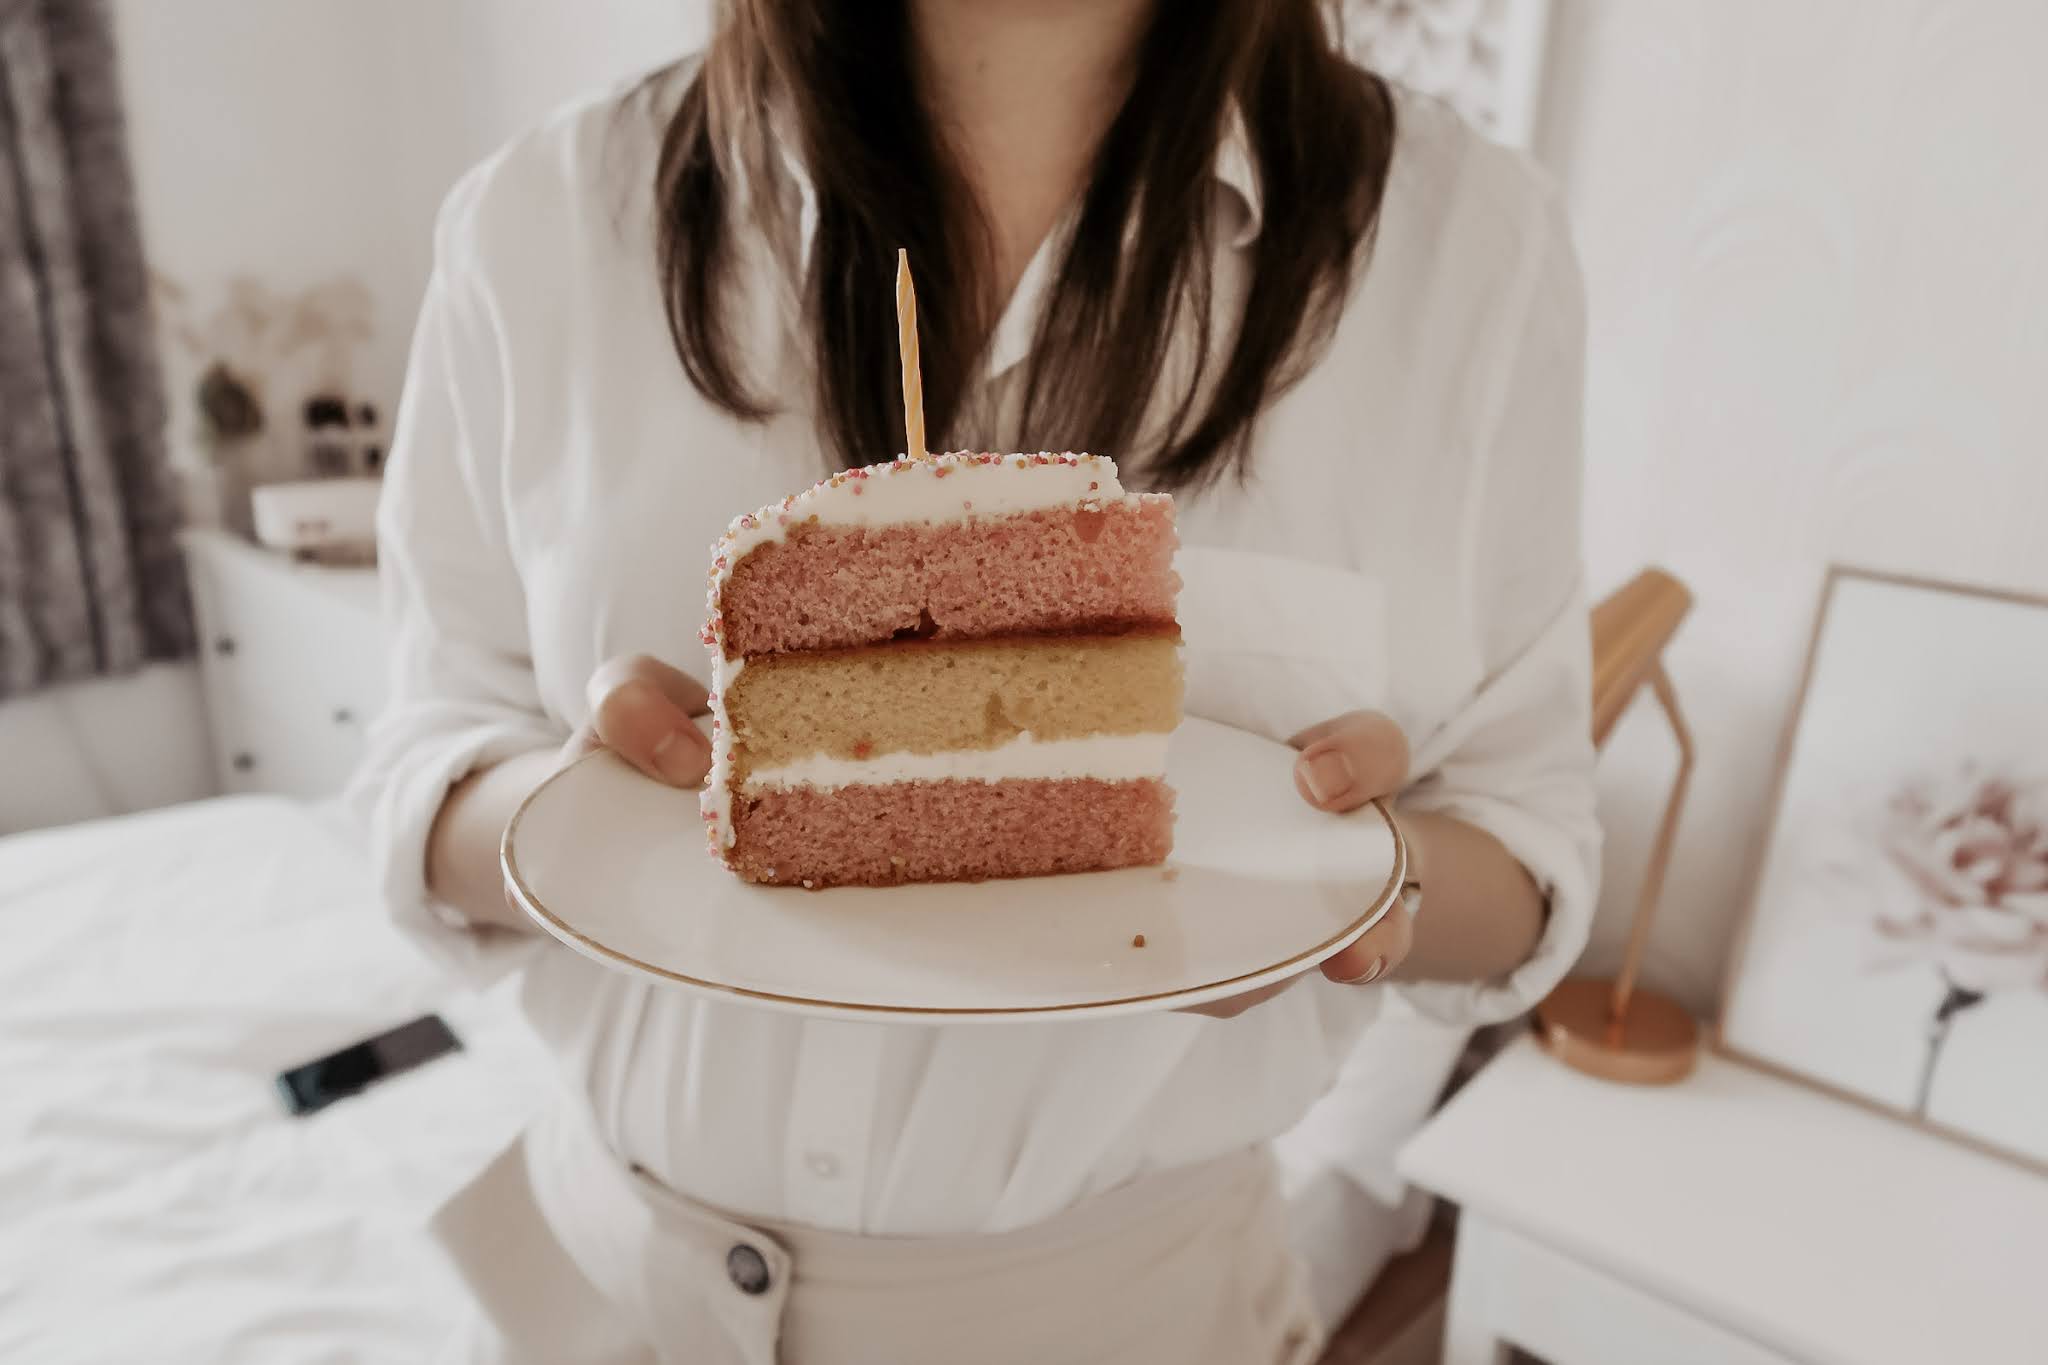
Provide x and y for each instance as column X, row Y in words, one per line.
column 338, row 1075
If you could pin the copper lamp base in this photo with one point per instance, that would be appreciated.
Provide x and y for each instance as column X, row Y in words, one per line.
column 1655, row 1042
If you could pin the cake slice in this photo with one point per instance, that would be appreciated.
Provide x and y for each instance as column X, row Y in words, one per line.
column 944, row 670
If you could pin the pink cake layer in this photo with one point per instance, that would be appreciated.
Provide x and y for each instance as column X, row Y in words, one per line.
column 948, row 831
column 1046, row 572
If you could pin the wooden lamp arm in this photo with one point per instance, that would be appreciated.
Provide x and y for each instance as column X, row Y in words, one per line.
column 1630, row 630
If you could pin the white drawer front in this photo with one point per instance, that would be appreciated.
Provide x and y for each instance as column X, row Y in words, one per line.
column 294, row 671
column 1544, row 1301
column 291, row 751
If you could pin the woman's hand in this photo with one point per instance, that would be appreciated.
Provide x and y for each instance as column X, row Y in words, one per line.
column 1358, row 757
column 641, row 709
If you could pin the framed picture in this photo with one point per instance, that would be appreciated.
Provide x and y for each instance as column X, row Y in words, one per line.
column 1896, row 947
column 1482, row 57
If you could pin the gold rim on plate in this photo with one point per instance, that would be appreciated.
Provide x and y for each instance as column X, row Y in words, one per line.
column 537, row 910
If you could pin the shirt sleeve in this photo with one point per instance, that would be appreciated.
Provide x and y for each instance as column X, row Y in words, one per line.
column 462, row 689
column 1517, row 759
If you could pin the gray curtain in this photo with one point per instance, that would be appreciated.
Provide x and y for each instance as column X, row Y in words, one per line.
column 90, row 579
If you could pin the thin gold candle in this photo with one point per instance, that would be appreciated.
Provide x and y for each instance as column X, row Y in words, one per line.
column 906, row 345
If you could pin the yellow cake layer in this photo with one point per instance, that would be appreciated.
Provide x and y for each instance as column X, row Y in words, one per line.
column 931, row 696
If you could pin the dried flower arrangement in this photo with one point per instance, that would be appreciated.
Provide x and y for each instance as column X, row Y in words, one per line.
column 252, row 342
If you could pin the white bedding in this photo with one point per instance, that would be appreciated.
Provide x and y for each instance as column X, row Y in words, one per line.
column 156, row 1203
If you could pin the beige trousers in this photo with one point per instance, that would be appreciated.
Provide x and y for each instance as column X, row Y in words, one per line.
column 575, row 1257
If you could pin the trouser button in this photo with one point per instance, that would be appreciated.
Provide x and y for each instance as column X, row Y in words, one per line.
column 747, row 1269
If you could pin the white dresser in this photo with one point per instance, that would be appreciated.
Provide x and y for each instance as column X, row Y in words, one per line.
column 1732, row 1219
column 292, row 659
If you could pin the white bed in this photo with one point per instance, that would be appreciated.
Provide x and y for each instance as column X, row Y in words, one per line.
column 156, row 1202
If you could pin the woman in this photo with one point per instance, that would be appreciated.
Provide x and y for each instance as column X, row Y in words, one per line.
column 1344, row 331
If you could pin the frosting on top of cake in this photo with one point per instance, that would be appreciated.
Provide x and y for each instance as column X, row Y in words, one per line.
column 960, row 486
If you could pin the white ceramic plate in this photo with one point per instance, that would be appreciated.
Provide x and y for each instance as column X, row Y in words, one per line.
column 1260, row 886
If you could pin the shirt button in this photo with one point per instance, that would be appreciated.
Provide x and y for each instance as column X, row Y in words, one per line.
column 822, row 1164
column 747, row 1269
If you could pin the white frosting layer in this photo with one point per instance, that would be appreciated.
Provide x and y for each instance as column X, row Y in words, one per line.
column 943, row 488
column 1104, row 758
column 960, row 486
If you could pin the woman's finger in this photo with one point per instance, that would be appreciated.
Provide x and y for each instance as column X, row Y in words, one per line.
column 1351, row 760
column 648, row 724
column 1377, row 952
column 678, row 686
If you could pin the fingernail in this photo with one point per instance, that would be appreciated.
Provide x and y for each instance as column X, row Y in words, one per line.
column 1372, row 973
column 1327, row 775
column 677, row 761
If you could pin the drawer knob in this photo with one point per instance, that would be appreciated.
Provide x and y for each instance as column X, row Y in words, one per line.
column 244, row 762
column 344, row 716
column 224, row 646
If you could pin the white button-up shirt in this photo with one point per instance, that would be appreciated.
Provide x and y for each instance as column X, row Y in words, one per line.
column 1408, row 542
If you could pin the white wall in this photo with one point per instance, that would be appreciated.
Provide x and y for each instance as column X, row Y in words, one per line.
column 263, row 141
column 293, row 142
column 1816, row 240
column 103, row 748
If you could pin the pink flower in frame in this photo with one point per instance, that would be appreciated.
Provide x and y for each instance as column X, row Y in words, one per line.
column 1957, row 882
column 1970, row 850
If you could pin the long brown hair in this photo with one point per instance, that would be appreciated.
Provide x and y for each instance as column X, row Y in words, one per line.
column 1321, row 134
